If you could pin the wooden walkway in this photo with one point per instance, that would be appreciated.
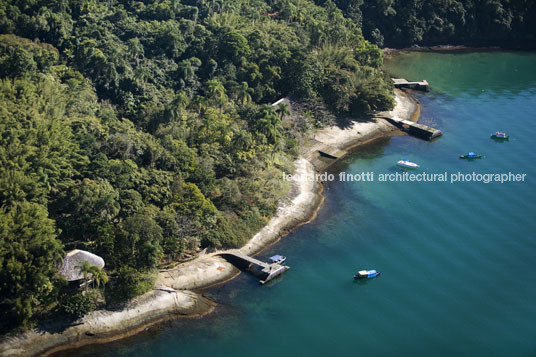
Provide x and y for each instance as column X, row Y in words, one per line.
column 265, row 271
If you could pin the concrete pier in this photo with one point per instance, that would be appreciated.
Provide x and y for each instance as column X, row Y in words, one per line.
column 265, row 271
column 419, row 130
column 404, row 83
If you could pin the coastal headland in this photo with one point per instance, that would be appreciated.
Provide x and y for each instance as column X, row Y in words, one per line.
column 176, row 290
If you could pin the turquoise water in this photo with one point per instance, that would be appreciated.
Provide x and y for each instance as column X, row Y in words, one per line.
column 458, row 261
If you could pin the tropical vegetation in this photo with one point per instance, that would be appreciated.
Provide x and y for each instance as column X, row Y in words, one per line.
column 142, row 131
column 404, row 23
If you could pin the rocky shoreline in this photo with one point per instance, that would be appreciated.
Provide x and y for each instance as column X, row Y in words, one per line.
column 173, row 295
column 105, row 326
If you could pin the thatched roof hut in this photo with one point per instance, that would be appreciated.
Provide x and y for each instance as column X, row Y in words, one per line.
column 69, row 268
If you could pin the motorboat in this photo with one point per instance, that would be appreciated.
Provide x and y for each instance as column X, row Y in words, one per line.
column 277, row 259
column 471, row 155
column 407, row 164
column 499, row 135
column 366, row 274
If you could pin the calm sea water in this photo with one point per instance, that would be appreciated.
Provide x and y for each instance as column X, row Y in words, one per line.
column 458, row 261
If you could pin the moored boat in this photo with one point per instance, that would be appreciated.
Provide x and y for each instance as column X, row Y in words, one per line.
column 277, row 259
column 366, row 274
column 407, row 164
column 471, row 155
column 499, row 135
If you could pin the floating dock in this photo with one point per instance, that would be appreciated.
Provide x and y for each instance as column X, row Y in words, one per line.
column 404, row 83
column 419, row 130
column 265, row 271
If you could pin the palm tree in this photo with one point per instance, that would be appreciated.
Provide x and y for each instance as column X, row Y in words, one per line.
column 199, row 103
column 282, row 110
column 244, row 93
column 99, row 276
column 177, row 108
column 93, row 272
column 217, row 91
column 243, row 140
column 269, row 125
column 86, row 269
column 140, row 76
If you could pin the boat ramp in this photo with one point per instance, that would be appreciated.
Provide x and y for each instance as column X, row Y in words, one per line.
column 321, row 155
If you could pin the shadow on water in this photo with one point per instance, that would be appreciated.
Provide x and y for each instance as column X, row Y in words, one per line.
column 368, row 151
column 363, row 282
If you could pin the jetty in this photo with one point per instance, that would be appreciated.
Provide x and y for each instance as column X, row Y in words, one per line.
column 404, row 83
column 264, row 271
column 321, row 155
column 418, row 130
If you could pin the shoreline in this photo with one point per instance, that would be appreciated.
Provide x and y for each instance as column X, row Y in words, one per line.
column 305, row 199
column 176, row 292
column 102, row 326
column 393, row 51
column 363, row 132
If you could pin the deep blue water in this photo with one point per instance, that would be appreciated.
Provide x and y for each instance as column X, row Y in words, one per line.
column 458, row 261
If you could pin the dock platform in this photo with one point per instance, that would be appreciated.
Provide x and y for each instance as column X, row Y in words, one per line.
column 404, row 83
column 419, row 130
column 265, row 271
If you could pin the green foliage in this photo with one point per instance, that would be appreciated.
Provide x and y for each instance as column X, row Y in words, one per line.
column 142, row 131
column 79, row 304
column 131, row 283
column 479, row 22
column 92, row 273
column 29, row 252
column 139, row 240
column 38, row 153
column 20, row 57
column 234, row 46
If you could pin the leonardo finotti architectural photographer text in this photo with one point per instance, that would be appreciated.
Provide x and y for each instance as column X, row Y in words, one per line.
column 410, row 177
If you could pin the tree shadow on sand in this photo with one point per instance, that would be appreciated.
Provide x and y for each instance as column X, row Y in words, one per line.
column 346, row 121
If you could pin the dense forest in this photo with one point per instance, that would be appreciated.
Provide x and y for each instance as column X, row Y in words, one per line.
column 142, row 131
column 404, row 23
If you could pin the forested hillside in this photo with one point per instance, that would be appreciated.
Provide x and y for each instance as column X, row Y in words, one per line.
column 142, row 130
column 403, row 23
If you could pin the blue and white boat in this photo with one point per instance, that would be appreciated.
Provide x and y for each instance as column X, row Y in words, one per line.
column 407, row 164
column 277, row 259
column 366, row 274
column 499, row 135
column 470, row 156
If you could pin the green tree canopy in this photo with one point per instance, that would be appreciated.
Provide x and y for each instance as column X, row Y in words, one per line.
column 29, row 254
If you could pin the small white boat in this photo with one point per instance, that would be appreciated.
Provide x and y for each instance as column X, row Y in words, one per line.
column 366, row 274
column 407, row 164
column 277, row 259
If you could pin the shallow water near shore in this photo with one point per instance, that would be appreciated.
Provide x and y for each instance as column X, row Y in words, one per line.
column 457, row 259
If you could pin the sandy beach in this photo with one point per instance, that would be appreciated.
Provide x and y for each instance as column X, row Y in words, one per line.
column 173, row 295
column 358, row 132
